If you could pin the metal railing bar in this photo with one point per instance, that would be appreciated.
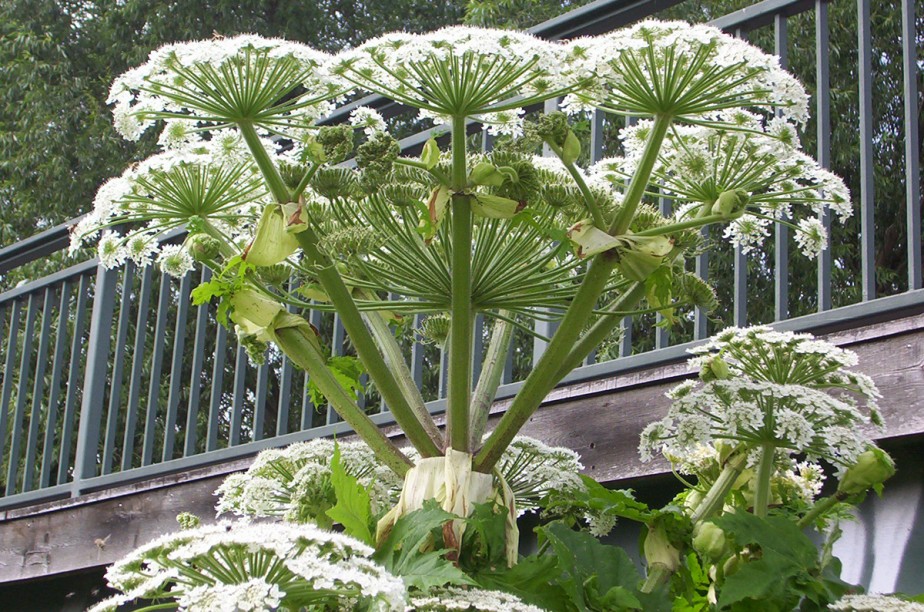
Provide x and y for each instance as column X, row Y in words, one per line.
column 823, row 152
column 237, row 402
column 285, row 385
column 38, row 390
column 259, row 404
column 39, row 245
column 57, row 370
column 336, row 349
column 46, row 281
column 74, row 383
column 134, row 384
column 28, row 335
column 118, row 369
column 662, row 334
column 195, row 382
column 217, row 382
column 176, row 366
column 37, row 496
column 912, row 143
column 8, row 369
column 781, row 232
column 867, row 221
column 94, row 379
column 157, row 362
column 760, row 14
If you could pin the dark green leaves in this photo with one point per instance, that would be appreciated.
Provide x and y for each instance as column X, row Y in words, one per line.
column 353, row 509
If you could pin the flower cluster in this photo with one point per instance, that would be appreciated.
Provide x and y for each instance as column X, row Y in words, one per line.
column 255, row 567
column 459, row 71
column 294, row 482
column 451, row 599
column 533, row 469
column 212, row 82
column 875, row 603
column 750, row 178
column 764, row 387
column 685, row 71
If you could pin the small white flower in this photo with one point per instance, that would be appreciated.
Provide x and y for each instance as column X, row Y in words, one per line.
column 175, row 260
column 812, row 237
column 369, row 120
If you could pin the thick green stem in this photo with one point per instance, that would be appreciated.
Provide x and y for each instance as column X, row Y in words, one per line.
column 821, row 506
column 601, row 329
column 303, row 184
column 544, row 376
column 395, row 360
column 491, row 371
column 589, row 200
column 662, row 230
column 764, row 473
column 547, row 373
column 305, row 355
column 459, row 390
column 714, row 500
column 269, row 170
column 658, row 574
column 641, row 177
column 366, row 348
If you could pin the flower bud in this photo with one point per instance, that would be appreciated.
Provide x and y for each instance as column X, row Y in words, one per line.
column 271, row 243
column 714, row 369
column 731, row 203
column 571, row 149
column 873, row 467
column 484, row 173
column 710, row 541
column 658, row 549
column 203, row 248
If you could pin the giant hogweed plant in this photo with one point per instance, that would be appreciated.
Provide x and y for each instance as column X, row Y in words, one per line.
column 268, row 205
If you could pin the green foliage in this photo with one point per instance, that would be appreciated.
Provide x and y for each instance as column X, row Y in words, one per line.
column 411, row 551
column 779, row 567
column 354, row 508
column 347, row 370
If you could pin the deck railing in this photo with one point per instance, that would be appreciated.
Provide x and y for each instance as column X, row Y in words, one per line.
column 112, row 376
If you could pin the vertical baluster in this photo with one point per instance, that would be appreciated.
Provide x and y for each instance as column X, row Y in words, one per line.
column 94, row 380
column 8, row 372
column 217, row 390
column 336, row 344
column 867, row 222
column 285, row 386
column 176, row 366
column 73, row 379
column 417, row 355
column 134, row 383
column 701, row 268
column 118, row 367
column 823, row 123
column 237, row 402
column 477, row 348
column 38, row 390
column 57, row 371
column 781, row 232
column 315, row 318
column 662, row 334
column 259, row 404
column 912, row 143
column 195, row 375
column 740, row 273
column 157, row 363
column 24, row 376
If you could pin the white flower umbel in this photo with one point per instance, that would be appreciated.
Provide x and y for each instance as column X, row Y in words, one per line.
column 468, row 600
column 294, row 482
column 458, row 71
column 367, row 119
column 875, row 603
column 683, row 71
column 765, row 394
column 239, row 566
column 272, row 83
column 749, row 178
column 533, row 469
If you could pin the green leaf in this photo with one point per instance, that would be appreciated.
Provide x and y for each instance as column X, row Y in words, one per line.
column 354, row 508
column 483, row 543
column 346, row 370
column 530, row 580
column 494, row 207
column 410, row 549
column 658, row 291
column 590, row 570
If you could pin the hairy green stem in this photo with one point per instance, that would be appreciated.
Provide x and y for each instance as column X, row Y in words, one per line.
column 459, row 389
column 589, row 200
column 601, row 329
column 395, row 360
column 658, row 574
column 491, row 371
column 662, row 230
column 269, row 170
column 544, row 376
column 305, row 355
column 714, row 500
column 366, row 348
column 764, row 473
column 547, row 373
column 641, row 177
column 821, row 506
column 303, row 184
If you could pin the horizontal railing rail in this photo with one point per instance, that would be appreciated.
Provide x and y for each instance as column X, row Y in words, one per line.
column 113, row 376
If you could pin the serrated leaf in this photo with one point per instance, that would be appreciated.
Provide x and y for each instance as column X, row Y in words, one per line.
column 529, row 580
column 589, row 568
column 353, row 509
column 410, row 550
